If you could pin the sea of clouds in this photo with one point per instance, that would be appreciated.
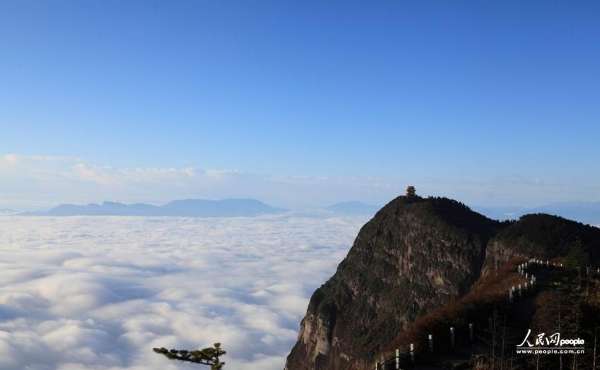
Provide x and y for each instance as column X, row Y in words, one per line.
column 98, row 293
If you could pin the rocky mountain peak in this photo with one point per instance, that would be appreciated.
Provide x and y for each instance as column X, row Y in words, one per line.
column 413, row 255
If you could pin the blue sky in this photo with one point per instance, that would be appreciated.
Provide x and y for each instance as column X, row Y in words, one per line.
column 495, row 103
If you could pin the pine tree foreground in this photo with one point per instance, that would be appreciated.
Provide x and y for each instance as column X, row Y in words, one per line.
column 206, row 356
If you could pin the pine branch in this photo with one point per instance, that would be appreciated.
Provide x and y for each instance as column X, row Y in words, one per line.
column 206, row 356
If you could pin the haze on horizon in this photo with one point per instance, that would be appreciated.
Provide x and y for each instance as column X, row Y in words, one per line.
column 298, row 105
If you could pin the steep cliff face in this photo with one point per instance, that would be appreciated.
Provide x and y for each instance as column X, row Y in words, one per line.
column 414, row 255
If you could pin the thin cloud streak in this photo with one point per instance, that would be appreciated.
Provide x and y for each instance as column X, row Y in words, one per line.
column 34, row 182
column 41, row 182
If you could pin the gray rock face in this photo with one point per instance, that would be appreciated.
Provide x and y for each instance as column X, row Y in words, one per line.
column 414, row 255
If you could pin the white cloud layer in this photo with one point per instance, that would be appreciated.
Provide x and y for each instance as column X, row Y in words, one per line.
column 99, row 292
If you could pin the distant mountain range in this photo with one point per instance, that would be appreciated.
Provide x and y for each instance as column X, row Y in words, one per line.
column 179, row 208
column 586, row 212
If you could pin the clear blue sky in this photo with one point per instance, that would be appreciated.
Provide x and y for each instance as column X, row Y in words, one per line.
column 448, row 91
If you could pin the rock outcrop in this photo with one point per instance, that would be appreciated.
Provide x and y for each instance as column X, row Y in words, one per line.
column 416, row 255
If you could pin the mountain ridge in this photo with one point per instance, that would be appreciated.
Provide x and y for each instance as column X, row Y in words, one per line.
column 414, row 256
column 233, row 207
column 585, row 212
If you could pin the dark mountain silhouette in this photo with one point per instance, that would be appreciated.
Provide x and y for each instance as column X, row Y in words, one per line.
column 417, row 256
column 544, row 236
column 586, row 212
column 353, row 208
column 180, row 208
